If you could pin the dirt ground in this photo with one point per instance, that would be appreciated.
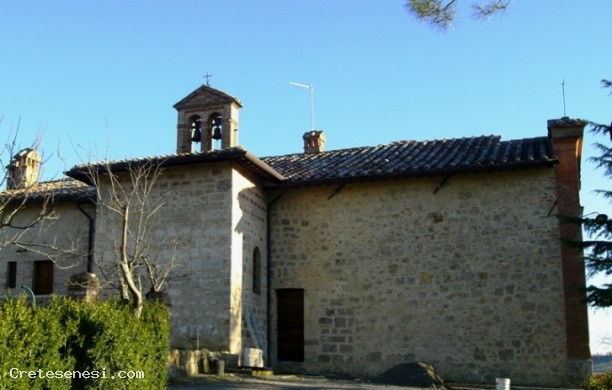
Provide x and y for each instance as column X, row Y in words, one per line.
column 275, row 382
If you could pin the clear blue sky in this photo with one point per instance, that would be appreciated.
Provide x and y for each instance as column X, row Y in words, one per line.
column 102, row 77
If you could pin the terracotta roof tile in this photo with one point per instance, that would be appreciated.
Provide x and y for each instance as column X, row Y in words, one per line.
column 412, row 158
column 394, row 160
column 58, row 190
column 238, row 154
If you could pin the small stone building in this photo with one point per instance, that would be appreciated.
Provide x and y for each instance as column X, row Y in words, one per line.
column 46, row 229
column 354, row 261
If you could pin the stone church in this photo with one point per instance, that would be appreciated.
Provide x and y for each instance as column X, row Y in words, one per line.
column 349, row 261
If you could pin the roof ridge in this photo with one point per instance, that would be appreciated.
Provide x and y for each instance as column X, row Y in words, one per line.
column 414, row 158
column 159, row 157
column 352, row 148
column 207, row 89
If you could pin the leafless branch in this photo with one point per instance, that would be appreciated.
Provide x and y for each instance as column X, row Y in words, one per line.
column 131, row 203
column 27, row 206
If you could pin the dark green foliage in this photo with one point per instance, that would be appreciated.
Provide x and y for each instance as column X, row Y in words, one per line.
column 29, row 340
column 70, row 336
column 598, row 250
column 599, row 382
column 126, row 343
column 436, row 12
column 441, row 13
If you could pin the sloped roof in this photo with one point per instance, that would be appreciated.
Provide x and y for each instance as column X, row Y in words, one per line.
column 205, row 96
column 414, row 158
column 393, row 160
column 56, row 190
column 238, row 154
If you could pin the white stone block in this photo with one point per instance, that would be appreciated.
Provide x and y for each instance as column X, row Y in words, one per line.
column 252, row 357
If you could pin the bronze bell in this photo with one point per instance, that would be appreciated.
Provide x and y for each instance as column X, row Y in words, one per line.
column 196, row 136
column 217, row 123
column 217, row 132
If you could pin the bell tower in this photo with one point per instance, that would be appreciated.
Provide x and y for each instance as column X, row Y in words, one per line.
column 207, row 120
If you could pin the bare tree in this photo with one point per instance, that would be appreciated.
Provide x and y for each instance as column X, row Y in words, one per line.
column 441, row 13
column 26, row 206
column 129, row 204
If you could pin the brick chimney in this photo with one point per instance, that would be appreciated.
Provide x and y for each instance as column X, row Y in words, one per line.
column 24, row 169
column 567, row 136
column 314, row 142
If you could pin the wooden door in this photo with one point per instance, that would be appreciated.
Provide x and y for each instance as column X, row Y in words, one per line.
column 43, row 277
column 290, row 324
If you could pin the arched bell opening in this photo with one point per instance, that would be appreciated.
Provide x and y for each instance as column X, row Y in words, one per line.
column 195, row 126
column 215, row 121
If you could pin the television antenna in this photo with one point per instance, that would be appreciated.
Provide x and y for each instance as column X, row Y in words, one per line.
column 563, row 89
column 311, row 88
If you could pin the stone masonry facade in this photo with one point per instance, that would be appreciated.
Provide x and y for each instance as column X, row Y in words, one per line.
column 467, row 278
column 62, row 238
column 210, row 287
column 250, row 232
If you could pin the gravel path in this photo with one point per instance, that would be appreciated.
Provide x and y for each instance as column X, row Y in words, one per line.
column 276, row 382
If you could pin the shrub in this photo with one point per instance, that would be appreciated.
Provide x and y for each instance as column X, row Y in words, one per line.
column 76, row 336
column 125, row 343
column 599, row 382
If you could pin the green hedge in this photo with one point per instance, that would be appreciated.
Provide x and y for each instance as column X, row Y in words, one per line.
column 602, row 381
column 76, row 345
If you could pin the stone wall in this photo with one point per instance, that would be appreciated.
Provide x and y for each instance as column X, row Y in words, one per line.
column 468, row 278
column 216, row 237
column 62, row 239
column 196, row 215
column 249, row 221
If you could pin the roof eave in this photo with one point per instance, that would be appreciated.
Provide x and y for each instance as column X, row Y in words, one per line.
column 264, row 168
column 415, row 174
column 240, row 155
column 39, row 198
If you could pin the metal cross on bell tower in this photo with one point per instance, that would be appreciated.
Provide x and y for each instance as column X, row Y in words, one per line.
column 208, row 76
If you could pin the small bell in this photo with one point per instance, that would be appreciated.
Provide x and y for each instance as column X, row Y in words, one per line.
column 217, row 133
column 216, row 127
column 196, row 135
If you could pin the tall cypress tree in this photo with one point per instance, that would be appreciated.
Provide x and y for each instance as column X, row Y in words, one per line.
column 598, row 250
